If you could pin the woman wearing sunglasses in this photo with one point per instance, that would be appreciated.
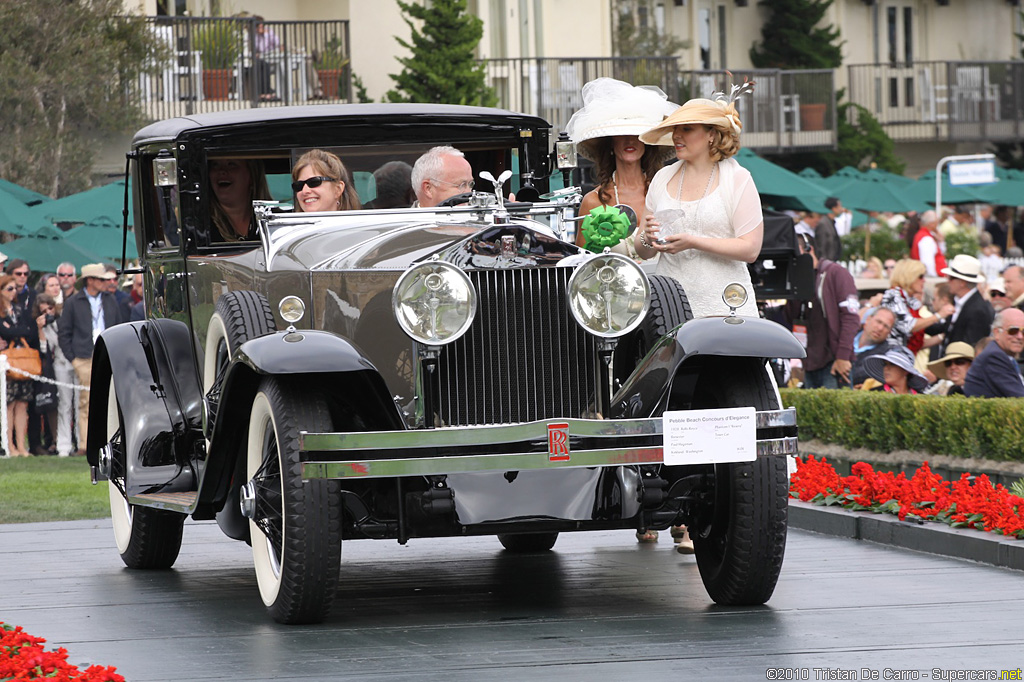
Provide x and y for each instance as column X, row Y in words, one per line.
column 16, row 329
column 951, row 369
column 236, row 183
column 321, row 183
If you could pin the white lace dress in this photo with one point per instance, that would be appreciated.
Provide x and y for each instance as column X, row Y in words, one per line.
column 703, row 275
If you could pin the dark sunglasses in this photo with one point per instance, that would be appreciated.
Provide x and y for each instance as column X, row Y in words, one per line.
column 23, row 273
column 996, row 292
column 65, row 274
column 958, row 362
column 1012, row 331
column 314, row 181
column 9, row 288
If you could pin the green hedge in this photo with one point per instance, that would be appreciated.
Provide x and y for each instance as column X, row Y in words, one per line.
column 956, row 426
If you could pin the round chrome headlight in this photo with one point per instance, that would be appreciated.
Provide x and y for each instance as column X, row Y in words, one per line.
column 291, row 308
column 608, row 295
column 434, row 303
column 735, row 295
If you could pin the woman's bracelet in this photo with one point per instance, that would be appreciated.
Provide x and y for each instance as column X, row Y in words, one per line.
column 643, row 240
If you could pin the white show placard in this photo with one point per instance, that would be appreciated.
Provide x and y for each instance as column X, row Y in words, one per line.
column 972, row 172
column 710, row 436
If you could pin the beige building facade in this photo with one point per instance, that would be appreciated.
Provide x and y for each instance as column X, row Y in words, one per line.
column 903, row 59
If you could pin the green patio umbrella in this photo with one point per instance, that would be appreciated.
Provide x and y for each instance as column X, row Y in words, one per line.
column 923, row 190
column 103, row 238
column 23, row 194
column 840, row 178
column 874, row 194
column 46, row 249
column 811, row 174
column 85, row 207
column 780, row 187
column 16, row 217
column 886, row 176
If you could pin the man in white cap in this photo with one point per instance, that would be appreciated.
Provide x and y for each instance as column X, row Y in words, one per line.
column 85, row 316
column 972, row 314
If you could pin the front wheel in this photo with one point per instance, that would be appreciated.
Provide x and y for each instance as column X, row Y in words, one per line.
column 295, row 525
column 526, row 543
column 740, row 535
column 146, row 538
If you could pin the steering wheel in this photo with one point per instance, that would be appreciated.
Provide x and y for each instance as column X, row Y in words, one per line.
column 456, row 200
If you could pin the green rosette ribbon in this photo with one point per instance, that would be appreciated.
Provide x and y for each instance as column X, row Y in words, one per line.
column 604, row 226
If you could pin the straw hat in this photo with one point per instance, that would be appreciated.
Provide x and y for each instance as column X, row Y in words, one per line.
column 957, row 349
column 95, row 270
column 718, row 113
column 964, row 267
column 612, row 107
column 902, row 358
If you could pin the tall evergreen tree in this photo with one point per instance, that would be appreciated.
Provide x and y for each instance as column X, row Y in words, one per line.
column 792, row 39
column 442, row 67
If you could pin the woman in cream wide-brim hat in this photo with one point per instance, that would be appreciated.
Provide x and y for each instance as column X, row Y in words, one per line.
column 606, row 131
column 704, row 212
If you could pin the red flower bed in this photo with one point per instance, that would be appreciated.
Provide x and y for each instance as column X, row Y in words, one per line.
column 971, row 502
column 22, row 657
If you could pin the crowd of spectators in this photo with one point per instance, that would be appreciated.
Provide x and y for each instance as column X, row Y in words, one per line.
column 958, row 336
column 60, row 317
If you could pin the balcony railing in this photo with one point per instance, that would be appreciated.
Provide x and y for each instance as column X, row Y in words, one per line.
column 214, row 64
column 788, row 108
column 942, row 101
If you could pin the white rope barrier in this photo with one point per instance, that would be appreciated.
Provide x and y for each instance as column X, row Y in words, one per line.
column 5, row 367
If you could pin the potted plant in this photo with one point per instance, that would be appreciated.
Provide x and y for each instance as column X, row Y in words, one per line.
column 330, row 64
column 220, row 46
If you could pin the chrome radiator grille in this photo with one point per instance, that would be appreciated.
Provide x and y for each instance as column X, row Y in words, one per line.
column 524, row 358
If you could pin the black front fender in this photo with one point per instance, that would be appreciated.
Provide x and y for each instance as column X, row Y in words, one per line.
column 153, row 367
column 738, row 337
column 325, row 363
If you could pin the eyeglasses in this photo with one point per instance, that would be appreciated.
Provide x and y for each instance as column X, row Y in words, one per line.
column 993, row 292
column 9, row 288
column 65, row 274
column 20, row 273
column 314, row 181
column 958, row 362
column 464, row 186
column 1012, row 331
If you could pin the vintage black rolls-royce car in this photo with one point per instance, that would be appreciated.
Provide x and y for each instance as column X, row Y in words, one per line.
column 420, row 372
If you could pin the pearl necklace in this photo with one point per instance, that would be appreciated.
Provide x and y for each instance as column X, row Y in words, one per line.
column 682, row 174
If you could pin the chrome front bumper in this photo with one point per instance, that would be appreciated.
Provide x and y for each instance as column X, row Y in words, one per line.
column 546, row 444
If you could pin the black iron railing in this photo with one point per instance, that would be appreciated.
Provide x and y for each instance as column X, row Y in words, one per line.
column 949, row 101
column 214, row 64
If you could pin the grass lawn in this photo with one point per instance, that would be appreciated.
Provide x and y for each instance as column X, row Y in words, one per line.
column 49, row 489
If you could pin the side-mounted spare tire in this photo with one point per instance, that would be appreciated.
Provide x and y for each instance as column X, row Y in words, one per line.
column 739, row 536
column 668, row 309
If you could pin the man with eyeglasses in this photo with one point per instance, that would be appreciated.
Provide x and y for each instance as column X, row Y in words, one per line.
column 994, row 373
column 19, row 270
column 66, row 277
column 441, row 173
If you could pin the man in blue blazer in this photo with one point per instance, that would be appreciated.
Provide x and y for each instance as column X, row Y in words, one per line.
column 994, row 373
